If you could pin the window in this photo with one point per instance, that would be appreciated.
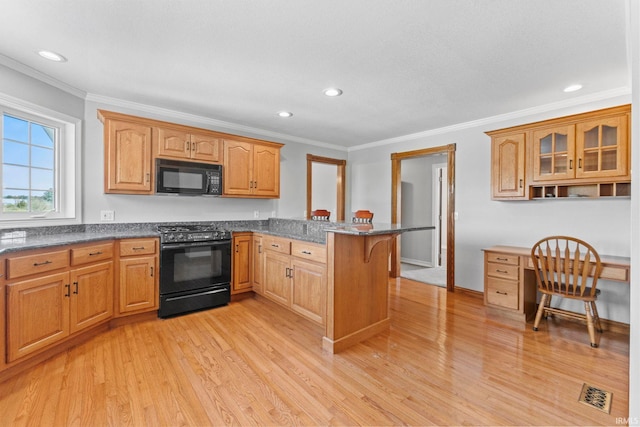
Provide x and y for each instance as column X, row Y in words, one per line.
column 38, row 167
column 28, row 166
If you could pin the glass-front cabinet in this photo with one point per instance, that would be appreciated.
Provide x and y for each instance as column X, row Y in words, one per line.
column 601, row 148
column 589, row 149
column 554, row 153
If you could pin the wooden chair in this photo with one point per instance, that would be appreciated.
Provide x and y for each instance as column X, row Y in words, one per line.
column 563, row 266
column 320, row 215
column 363, row 216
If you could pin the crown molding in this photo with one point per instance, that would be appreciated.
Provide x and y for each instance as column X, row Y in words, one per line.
column 214, row 123
column 25, row 69
column 599, row 96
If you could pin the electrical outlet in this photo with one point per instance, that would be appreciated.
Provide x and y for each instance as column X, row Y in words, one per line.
column 107, row 215
column 256, row 214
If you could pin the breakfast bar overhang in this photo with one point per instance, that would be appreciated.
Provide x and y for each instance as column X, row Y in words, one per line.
column 358, row 281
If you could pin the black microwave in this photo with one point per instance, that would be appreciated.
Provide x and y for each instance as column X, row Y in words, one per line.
column 178, row 177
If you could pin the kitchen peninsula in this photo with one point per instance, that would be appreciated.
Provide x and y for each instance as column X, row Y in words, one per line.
column 358, row 281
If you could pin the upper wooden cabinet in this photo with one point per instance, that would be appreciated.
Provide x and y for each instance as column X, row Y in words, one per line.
column 251, row 169
column 602, row 147
column 127, row 156
column 178, row 144
column 508, row 167
column 584, row 155
column 554, row 153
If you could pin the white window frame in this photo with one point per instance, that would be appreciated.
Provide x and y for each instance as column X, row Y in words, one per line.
column 67, row 165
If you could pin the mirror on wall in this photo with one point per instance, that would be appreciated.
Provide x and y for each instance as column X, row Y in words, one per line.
column 326, row 186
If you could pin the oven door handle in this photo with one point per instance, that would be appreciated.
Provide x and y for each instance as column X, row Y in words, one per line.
column 195, row 244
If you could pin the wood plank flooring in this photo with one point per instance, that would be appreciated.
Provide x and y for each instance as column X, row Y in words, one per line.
column 444, row 362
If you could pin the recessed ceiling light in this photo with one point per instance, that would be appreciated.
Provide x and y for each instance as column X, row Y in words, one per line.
column 285, row 114
column 573, row 88
column 52, row 56
column 333, row 91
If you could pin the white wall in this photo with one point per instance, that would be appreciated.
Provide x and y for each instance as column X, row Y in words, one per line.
column 605, row 223
column 417, row 207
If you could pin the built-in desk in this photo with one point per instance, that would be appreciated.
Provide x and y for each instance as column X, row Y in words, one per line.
column 510, row 283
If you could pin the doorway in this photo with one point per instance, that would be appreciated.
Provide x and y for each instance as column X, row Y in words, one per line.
column 319, row 195
column 445, row 223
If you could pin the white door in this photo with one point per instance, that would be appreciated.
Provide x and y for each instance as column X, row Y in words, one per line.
column 440, row 214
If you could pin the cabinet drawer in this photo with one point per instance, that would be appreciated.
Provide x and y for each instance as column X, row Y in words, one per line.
column 311, row 251
column 35, row 264
column 137, row 247
column 91, row 253
column 503, row 258
column 277, row 244
column 504, row 271
column 503, row 293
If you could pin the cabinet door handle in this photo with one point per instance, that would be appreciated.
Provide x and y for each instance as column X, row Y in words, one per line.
column 138, row 248
column 148, row 177
column 502, row 259
column 151, row 268
column 237, row 248
column 193, row 146
column 570, row 164
column 501, row 293
column 273, row 245
column 38, row 264
column 68, row 294
column 95, row 253
column 521, row 183
column 286, row 272
column 76, row 285
column 259, row 249
column 579, row 163
column 306, row 252
column 502, row 271
column 188, row 145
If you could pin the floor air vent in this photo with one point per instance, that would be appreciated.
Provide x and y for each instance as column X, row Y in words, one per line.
column 596, row 398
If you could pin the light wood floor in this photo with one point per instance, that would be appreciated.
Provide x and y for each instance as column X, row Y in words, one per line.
column 253, row 363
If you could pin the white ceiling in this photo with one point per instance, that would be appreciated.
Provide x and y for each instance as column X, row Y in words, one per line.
column 405, row 66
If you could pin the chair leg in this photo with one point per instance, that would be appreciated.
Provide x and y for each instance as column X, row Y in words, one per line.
column 596, row 317
column 590, row 327
column 541, row 310
column 548, row 304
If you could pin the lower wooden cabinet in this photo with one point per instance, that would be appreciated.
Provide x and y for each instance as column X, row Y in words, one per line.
column 37, row 313
column 64, row 292
column 241, row 263
column 257, row 264
column 53, row 295
column 295, row 275
column 309, row 289
column 138, row 279
column 277, row 283
column 91, row 295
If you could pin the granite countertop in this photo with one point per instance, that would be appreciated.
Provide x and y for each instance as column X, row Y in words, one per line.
column 12, row 240
column 38, row 241
column 376, row 228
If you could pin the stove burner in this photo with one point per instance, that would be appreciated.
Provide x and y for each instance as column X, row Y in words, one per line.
column 191, row 233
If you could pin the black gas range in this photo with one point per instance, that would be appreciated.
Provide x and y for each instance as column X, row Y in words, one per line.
column 195, row 268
